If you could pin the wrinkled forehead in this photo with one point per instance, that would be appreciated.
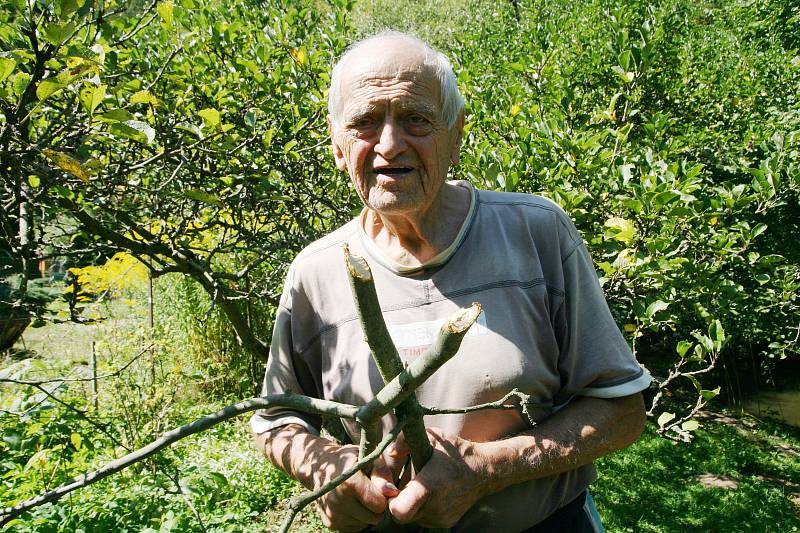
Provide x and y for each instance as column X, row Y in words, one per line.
column 387, row 64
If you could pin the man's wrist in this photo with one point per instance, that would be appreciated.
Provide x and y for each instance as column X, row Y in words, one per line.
column 497, row 464
column 509, row 461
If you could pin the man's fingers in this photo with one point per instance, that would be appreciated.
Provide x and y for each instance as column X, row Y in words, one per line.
column 382, row 479
column 406, row 505
column 399, row 447
column 370, row 495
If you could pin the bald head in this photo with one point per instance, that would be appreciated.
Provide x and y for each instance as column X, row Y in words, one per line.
column 389, row 53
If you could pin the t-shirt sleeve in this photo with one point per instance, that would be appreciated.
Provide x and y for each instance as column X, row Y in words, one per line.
column 594, row 358
column 286, row 373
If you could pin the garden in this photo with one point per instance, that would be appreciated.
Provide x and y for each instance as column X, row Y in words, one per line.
column 164, row 161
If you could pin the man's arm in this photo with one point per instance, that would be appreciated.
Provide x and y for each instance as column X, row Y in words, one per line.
column 314, row 460
column 461, row 472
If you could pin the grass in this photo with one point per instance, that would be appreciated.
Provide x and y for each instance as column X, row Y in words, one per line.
column 654, row 486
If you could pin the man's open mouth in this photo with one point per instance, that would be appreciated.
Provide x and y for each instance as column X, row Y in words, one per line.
column 393, row 171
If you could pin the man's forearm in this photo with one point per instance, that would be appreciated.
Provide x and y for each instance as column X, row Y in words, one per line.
column 295, row 451
column 587, row 428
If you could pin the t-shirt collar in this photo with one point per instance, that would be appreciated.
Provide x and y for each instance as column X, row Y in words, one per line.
column 440, row 258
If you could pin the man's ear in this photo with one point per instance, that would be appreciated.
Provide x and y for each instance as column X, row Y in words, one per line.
column 458, row 132
column 338, row 154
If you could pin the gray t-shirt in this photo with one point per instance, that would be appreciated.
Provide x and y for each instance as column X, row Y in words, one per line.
column 545, row 330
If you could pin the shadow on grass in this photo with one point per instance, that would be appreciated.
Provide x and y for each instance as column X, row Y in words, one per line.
column 653, row 485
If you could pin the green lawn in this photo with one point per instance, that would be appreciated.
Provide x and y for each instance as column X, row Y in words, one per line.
column 654, row 485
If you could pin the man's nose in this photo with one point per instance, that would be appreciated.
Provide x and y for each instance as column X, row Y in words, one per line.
column 391, row 140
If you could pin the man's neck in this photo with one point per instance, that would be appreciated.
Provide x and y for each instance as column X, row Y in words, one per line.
column 415, row 238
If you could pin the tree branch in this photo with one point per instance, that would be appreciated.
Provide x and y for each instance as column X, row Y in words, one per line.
column 78, row 380
column 522, row 403
column 407, row 381
column 292, row 401
column 384, row 352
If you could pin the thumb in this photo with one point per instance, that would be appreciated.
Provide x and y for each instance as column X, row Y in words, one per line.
column 406, row 505
column 382, row 478
column 368, row 494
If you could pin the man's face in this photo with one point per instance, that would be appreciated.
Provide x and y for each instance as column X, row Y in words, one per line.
column 392, row 138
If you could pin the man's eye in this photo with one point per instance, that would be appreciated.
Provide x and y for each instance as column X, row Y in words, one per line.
column 360, row 122
column 417, row 120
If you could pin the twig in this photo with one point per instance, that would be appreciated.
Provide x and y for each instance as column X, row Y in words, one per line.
column 82, row 414
column 77, row 380
column 177, row 480
column 522, row 402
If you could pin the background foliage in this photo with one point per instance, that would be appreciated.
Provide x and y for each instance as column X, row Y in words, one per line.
column 191, row 136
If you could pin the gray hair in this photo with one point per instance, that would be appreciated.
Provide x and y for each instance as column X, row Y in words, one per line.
column 452, row 103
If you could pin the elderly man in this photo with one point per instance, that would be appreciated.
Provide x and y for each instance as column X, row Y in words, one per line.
column 396, row 121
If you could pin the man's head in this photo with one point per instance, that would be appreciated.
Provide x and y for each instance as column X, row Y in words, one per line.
column 396, row 118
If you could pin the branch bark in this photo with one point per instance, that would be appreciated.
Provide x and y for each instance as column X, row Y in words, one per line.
column 385, row 353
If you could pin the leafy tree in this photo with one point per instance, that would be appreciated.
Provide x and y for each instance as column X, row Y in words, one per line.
column 189, row 135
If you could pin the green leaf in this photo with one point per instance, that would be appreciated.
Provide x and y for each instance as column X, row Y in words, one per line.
column 716, row 332
column 690, row 425
column 288, row 146
column 165, row 11
column 710, row 394
column 117, row 115
column 210, row 117
column 64, row 192
column 143, row 97
column 683, row 347
column 250, row 118
column 135, row 130
column 144, row 128
column 665, row 418
column 758, row 230
column 7, row 66
column 219, row 478
column 621, row 229
column 625, row 60
column 655, row 307
column 92, row 96
column 34, row 181
column 48, row 88
column 202, row 196
column 76, row 441
column 68, row 7
column 706, row 342
column 20, row 83
column 58, row 33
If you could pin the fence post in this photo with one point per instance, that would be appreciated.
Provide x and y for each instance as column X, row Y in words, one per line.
column 94, row 377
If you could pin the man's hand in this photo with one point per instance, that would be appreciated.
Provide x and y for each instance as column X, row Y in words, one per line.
column 358, row 502
column 448, row 485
